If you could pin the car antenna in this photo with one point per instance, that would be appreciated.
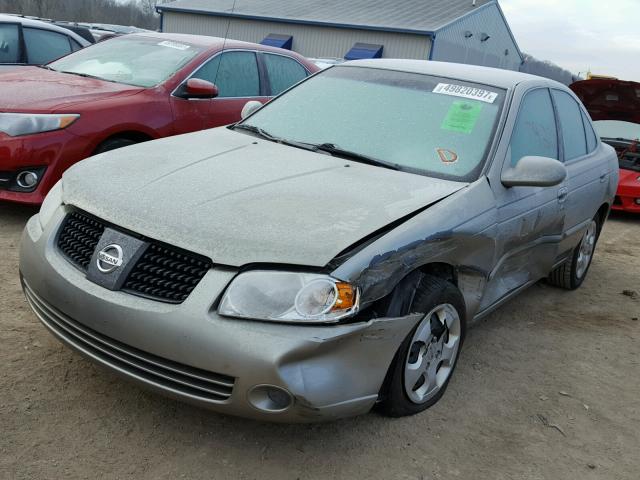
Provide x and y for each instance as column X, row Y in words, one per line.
column 224, row 42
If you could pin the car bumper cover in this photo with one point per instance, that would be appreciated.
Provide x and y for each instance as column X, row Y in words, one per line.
column 189, row 352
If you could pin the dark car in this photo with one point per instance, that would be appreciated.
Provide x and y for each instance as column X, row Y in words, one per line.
column 24, row 41
column 130, row 89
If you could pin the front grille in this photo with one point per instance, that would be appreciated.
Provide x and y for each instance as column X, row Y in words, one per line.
column 78, row 238
column 163, row 273
column 617, row 200
column 147, row 368
column 166, row 273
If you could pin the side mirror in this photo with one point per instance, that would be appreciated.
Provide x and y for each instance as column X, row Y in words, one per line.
column 534, row 172
column 198, row 88
column 249, row 108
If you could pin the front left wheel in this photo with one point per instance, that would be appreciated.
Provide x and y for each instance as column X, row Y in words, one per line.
column 427, row 358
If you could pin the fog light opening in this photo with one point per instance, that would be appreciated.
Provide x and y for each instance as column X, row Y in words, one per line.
column 27, row 179
column 269, row 398
column 637, row 201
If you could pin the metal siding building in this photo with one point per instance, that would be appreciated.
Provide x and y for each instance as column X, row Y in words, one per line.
column 453, row 43
column 445, row 30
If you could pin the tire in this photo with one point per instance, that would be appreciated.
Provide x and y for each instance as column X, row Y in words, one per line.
column 114, row 143
column 572, row 273
column 440, row 300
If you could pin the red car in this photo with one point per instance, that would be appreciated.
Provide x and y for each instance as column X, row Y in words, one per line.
column 127, row 90
column 614, row 106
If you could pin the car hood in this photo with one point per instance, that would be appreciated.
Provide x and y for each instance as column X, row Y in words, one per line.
column 240, row 200
column 33, row 89
column 610, row 99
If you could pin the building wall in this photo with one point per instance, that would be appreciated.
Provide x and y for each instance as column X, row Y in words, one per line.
column 308, row 40
column 451, row 45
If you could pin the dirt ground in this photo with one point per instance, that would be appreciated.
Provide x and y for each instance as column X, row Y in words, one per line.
column 548, row 387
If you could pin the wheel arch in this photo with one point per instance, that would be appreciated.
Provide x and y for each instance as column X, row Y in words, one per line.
column 134, row 135
column 468, row 280
column 603, row 213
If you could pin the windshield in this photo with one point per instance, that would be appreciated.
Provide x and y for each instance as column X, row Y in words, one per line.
column 418, row 123
column 616, row 129
column 134, row 60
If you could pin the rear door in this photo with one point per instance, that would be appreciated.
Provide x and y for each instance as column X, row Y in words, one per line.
column 281, row 72
column 530, row 219
column 587, row 175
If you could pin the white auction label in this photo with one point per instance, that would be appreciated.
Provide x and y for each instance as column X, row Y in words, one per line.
column 472, row 93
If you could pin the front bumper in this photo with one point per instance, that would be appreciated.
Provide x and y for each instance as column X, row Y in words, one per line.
column 54, row 151
column 189, row 352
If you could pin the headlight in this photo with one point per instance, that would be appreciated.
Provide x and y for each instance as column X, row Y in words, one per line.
column 51, row 203
column 16, row 124
column 289, row 297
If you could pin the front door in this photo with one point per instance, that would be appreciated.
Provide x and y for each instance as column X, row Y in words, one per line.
column 530, row 219
column 237, row 76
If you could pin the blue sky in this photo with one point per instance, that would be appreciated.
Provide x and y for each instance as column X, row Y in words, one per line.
column 580, row 34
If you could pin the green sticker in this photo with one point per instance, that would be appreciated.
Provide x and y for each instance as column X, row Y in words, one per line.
column 462, row 117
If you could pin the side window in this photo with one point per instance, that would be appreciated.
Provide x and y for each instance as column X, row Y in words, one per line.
column 9, row 43
column 573, row 137
column 75, row 46
column 44, row 46
column 235, row 74
column 592, row 140
column 535, row 132
column 283, row 72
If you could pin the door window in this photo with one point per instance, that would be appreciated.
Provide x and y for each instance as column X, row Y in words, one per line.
column 592, row 140
column 283, row 72
column 9, row 43
column 535, row 132
column 573, row 136
column 44, row 46
column 234, row 73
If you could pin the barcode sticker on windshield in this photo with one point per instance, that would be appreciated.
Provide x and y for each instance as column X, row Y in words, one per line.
column 176, row 45
column 471, row 93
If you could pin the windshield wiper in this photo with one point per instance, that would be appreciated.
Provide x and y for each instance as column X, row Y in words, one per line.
column 272, row 138
column 355, row 156
column 86, row 75
column 47, row 67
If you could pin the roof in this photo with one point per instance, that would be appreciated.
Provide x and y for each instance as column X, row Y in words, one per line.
column 28, row 22
column 217, row 43
column 496, row 77
column 412, row 16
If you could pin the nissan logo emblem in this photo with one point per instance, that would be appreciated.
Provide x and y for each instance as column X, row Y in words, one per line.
column 109, row 258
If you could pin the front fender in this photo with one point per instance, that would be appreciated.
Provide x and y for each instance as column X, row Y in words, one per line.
column 459, row 231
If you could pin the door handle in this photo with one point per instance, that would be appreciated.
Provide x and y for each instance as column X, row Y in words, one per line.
column 603, row 177
column 562, row 194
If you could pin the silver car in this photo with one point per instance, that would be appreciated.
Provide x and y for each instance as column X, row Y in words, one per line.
column 327, row 253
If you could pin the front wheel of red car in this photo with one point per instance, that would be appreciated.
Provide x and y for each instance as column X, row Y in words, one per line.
column 427, row 358
column 113, row 144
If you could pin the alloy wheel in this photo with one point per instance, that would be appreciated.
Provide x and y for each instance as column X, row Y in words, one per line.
column 586, row 248
column 432, row 353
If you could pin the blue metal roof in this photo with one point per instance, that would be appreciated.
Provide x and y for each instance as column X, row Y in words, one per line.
column 412, row 16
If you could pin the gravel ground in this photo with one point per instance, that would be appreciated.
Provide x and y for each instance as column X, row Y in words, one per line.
column 547, row 388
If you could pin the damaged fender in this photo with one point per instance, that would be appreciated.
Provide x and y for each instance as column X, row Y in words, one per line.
column 434, row 236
